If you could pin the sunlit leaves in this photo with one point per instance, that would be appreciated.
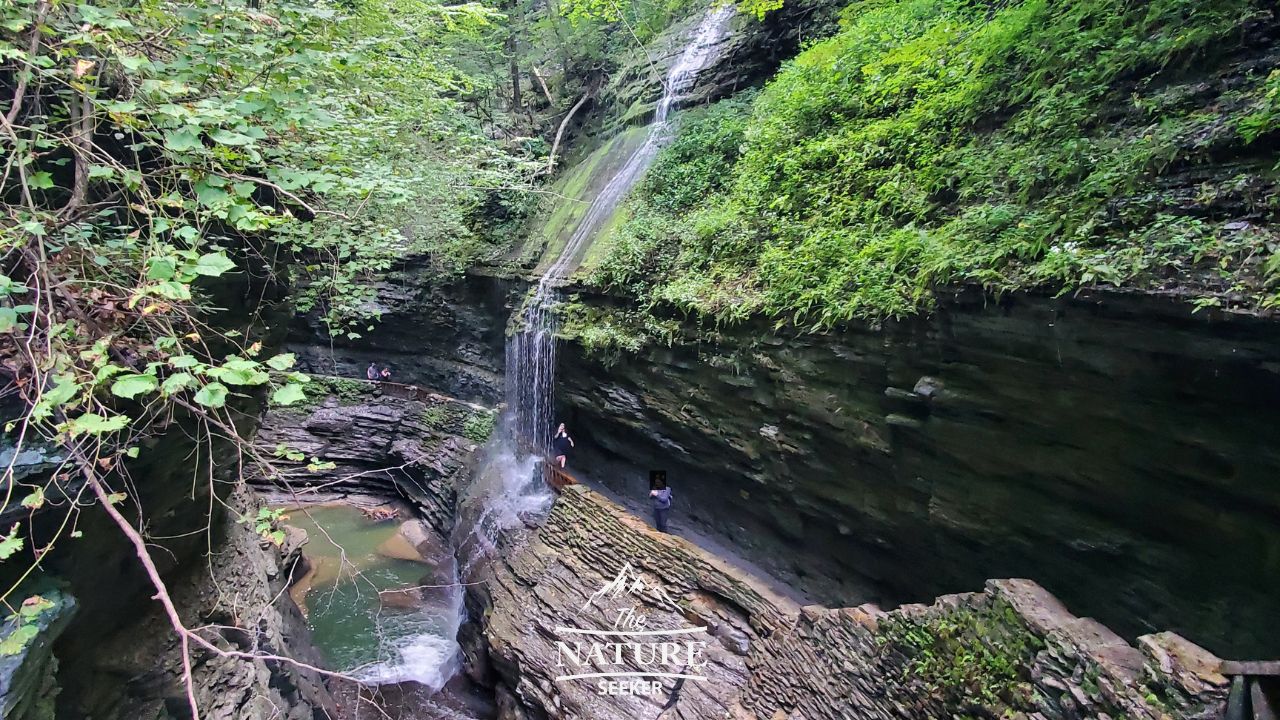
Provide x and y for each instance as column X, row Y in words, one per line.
column 94, row 424
column 177, row 383
column 213, row 395
column 213, row 264
column 183, row 140
column 289, row 394
column 11, row 543
column 132, row 385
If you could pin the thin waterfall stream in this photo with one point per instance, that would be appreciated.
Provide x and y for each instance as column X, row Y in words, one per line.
column 531, row 352
column 508, row 487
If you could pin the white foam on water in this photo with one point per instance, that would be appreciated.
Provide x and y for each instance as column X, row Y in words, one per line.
column 428, row 659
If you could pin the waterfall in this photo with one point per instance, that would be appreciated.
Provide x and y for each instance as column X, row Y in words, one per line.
column 508, row 487
column 531, row 352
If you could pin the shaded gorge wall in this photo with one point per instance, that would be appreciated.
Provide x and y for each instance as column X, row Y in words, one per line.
column 1116, row 449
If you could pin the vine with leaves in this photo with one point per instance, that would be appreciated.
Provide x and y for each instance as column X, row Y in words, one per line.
column 155, row 154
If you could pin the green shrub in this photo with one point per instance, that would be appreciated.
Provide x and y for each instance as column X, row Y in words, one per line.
column 1026, row 144
column 479, row 425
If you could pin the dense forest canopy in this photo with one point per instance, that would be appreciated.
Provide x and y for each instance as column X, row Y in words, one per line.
column 171, row 168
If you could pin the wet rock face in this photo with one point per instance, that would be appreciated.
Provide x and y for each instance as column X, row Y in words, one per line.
column 447, row 337
column 1118, row 451
column 1010, row 651
column 377, row 445
column 239, row 596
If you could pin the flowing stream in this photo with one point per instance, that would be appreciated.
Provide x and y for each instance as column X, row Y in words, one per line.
column 378, row 608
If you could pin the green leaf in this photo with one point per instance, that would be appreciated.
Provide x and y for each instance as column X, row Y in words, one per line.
column 177, row 382
column 33, row 606
column 8, row 319
column 213, row 264
column 61, row 393
column 35, row 500
column 238, row 371
column 97, row 424
column 131, row 386
column 159, row 268
column 171, row 290
column 213, row 395
column 11, row 543
column 184, row 140
column 289, row 394
column 229, row 137
column 183, row 361
column 9, row 287
column 41, row 180
column 282, row 362
column 17, row 640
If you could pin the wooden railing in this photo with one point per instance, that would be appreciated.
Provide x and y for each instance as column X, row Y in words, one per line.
column 1255, row 690
column 556, row 477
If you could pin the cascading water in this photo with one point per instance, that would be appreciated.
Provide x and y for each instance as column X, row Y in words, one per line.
column 508, row 488
column 531, row 352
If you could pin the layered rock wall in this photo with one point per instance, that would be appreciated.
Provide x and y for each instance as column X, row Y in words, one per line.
column 1010, row 651
column 237, row 599
column 354, row 439
column 1118, row 450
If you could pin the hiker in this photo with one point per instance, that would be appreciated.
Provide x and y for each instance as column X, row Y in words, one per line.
column 561, row 444
column 386, row 373
column 661, row 496
column 372, row 372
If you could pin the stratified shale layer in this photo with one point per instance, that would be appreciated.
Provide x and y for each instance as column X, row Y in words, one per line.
column 1116, row 449
column 360, row 439
column 1009, row 651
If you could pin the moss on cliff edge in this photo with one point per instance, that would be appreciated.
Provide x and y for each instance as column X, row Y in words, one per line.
column 1027, row 144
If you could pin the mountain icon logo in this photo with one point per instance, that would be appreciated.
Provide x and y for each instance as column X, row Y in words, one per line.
column 629, row 583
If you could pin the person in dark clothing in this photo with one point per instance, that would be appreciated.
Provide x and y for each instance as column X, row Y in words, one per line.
column 561, row 444
column 372, row 372
column 385, row 374
column 661, row 496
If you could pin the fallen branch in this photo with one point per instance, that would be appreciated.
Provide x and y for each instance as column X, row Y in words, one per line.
column 185, row 635
column 551, row 161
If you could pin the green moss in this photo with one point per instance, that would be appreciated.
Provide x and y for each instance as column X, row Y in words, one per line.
column 1025, row 144
column 436, row 417
column 346, row 390
column 570, row 196
column 965, row 658
column 479, row 425
column 610, row 333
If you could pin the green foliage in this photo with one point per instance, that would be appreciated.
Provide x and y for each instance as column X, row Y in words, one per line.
column 346, row 390
column 268, row 524
column 435, row 417
column 967, row 658
column 164, row 164
column 611, row 334
column 23, row 626
column 673, row 242
column 1022, row 144
column 479, row 425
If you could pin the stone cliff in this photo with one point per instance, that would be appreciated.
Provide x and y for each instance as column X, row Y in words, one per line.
column 1009, row 651
column 237, row 600
column 1112, row 448
column 358, row 438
